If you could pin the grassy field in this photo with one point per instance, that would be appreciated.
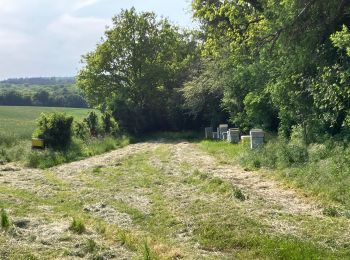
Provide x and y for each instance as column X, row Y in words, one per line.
column 17, row 125
column 161, row 200
column 20, row 121
column 319, row 170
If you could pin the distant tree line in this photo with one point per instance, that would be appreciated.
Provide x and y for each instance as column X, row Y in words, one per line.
column 40, row 81
column 42, row 98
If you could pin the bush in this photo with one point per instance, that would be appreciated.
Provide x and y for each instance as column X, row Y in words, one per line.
column 55, row 129
column 92, row 123
column 109, row 125
column 277, row 153
column 81, row 130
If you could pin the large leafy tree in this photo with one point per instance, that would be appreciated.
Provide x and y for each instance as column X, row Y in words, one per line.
column 137, row 70
column 281, row 59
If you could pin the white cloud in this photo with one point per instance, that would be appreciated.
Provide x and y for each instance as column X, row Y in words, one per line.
column 77, row 34
column 12, row 39
column 48, row 37
column 83, row 3
column 7, row 6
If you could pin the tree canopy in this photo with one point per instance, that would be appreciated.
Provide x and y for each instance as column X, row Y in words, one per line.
column 137, row 70
column 286, row 60
column 278, row 65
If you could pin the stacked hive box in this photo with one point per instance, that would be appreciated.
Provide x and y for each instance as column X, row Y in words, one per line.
column 256, row 138
column 223, row 132
column 233, row 135
column 208, row 133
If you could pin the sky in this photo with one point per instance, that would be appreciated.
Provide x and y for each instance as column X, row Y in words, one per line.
column 48, row 37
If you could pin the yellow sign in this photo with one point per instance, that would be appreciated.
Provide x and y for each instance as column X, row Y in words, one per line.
column 38, row 143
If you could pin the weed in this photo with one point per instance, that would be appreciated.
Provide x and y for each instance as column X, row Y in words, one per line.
column 101, row 228
column 77, row 226
column 147, row 252
column 5, row 222
column 97, row 169
column 239, row 194
column 331, row 212
column 90, row 246
column 127, row 240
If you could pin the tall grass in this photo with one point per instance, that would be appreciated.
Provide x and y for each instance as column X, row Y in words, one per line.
column 318, row 169
column 12, row 148
column 76, row 151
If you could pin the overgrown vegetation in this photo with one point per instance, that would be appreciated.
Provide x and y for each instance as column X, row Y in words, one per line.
column 90, row 138
column 318, row 169
column 55, row 129
column 17, row 126
column 66, row 140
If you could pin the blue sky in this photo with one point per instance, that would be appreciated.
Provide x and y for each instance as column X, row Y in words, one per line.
column 48, row 37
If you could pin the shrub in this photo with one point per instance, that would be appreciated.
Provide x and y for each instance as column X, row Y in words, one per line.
column 108, row 124
column 5, row 222
column 317, row 152
column 77, row 226
column 276, row 154
column 81, row 130
column 92, row 123
column 55, row 129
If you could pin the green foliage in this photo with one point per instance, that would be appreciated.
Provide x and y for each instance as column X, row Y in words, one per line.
column 59, row 92
column 109, row 125
column 77, row 226
column 320, row 169
column 204, row 92
column 92, row 123
column 136, row 71
column 81, row 130
column 5, row 222
column 276, row 67
column 341, row 39
column 77, row 150
column 55, row 129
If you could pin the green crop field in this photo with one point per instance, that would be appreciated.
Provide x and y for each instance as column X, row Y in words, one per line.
column 21, row 121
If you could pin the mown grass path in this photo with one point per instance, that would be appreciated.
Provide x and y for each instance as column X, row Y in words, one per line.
column 166, row 200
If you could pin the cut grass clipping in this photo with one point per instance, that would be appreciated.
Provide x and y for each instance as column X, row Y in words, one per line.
column 77, row 226
column 5, row 222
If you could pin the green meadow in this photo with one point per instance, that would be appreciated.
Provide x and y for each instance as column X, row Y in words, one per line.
column 20, row 121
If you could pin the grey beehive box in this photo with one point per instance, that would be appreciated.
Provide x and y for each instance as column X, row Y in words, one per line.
column 223, row 128
column 233, row 135
column 208, row 133
column 256, row 138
